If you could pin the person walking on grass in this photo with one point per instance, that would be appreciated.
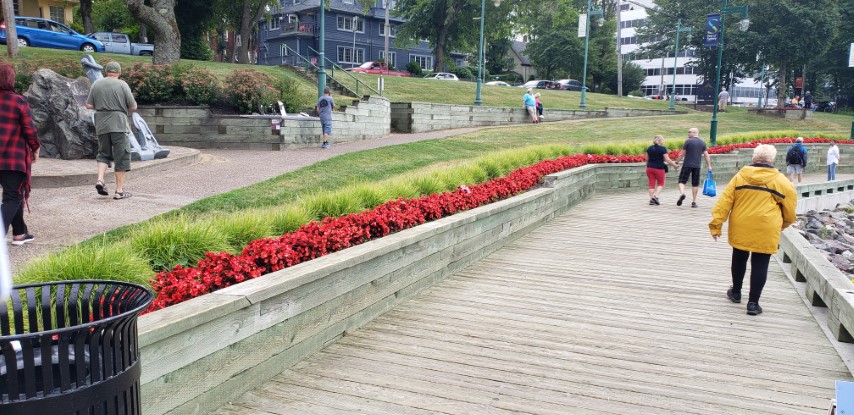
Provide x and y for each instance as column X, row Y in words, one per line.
column 759, row 203
column 112, row 101
column 324, row 107
column 693, row 151
column 723, row 98
column 656, row 167
column 796, row 160
column 19, row 149
column 832, row 160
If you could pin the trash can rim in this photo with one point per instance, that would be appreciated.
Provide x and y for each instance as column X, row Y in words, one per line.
column 137, row 310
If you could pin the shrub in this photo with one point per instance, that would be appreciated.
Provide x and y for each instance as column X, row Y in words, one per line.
column 200, row 86
column 114, row 261
column 151, row 83
column 414, row 68
column 166, row 243
column 290, row 94
column 196, row 49
column 248, row 90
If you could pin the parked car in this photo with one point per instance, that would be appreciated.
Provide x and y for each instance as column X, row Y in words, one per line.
column 120, row 43
column 537, row 84
column 377, row 68
column 44, row 33
column 445, row 76
column 498, row 83
column 569, row 85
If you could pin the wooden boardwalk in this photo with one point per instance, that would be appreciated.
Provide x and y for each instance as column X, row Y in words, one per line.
column 616, row 307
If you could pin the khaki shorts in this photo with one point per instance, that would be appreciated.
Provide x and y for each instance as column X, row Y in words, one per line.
column 114, row 148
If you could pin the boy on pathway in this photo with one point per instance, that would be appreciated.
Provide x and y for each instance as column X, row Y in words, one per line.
column 325, row 105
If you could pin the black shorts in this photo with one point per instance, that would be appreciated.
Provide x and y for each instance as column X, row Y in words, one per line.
column 694, row 172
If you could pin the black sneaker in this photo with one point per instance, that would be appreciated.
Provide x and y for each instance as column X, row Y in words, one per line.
column 754, row 309
column 681, row 199
column 652, row 202
column 24, row 239
column 693, row 204
column 733, row 296
column 655, row 199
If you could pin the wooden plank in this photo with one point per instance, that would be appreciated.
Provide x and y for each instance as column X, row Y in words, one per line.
column 614, row 307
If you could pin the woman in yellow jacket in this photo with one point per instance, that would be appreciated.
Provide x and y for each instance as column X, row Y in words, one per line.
column 759, row 203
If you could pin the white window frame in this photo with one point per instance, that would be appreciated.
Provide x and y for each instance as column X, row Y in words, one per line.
column 292, row 18
column 392, row 62
column 348, row 1
column 428, row 59
column 343, row 51
column 284, row 51
column 60, row 17
column 345, row 24
column 237, row 40
column 273, row 23
column 393, row 30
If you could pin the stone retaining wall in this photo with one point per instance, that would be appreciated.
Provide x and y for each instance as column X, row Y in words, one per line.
column 420, row 117
column 199, row 355
column 197, row 127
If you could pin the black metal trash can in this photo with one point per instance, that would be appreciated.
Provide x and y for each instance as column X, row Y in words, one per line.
column 71, row 347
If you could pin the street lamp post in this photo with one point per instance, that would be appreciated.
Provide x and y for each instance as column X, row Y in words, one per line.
column 679, row 29
column 590, row 12
column 321, row 71
column 477, row 93
column 741, row 10
column 761, row 87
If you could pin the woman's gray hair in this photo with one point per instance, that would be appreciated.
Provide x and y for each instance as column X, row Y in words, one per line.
column 765, row 154
column 658, row 139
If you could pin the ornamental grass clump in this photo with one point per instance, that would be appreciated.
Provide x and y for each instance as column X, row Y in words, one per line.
column 176, row 241
column 114, row 261
column 287, row 219
column 240, row 228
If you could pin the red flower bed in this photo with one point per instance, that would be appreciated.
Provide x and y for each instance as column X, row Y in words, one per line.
column 316, row 239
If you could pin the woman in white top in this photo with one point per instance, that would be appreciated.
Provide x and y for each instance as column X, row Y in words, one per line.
column 832, row 160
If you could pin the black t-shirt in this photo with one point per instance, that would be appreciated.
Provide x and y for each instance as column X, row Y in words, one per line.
column 655, row 156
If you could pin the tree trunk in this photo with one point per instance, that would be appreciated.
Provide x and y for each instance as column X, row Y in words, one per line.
column 248, row 21
column 143, row 33
column 11, row 29
column 782, row 88
column 160, row 18
column 86, row 14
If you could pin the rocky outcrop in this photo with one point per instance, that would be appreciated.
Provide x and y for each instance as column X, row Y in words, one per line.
column 832, row 233
column 64, row 125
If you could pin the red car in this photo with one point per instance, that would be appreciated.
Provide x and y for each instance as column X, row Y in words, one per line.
column 377, row 68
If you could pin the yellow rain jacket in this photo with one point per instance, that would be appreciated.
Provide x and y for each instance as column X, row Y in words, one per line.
column 759, row 203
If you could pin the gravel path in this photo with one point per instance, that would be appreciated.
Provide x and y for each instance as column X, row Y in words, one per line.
column 63, row 216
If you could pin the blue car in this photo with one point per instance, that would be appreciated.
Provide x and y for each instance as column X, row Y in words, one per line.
column 44, row 33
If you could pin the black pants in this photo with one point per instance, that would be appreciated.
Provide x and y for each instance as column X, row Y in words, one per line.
column 758, row 272
column 12, row 207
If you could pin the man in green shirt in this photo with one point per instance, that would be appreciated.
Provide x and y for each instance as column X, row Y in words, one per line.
column 112, row 101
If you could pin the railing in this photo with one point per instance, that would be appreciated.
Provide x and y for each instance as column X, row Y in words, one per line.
column 307, row 28
column 358, row 83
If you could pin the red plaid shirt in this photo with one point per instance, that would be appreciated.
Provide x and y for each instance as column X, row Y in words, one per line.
column 17, row 134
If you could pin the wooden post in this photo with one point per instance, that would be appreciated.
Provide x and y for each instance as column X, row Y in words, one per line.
column 11, row 30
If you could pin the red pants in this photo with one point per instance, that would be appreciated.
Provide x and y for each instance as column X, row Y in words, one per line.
column 655, row 175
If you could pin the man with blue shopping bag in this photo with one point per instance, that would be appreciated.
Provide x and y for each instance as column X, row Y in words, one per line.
column 691, row 156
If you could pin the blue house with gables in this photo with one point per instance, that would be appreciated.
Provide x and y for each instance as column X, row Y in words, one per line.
column 353, row 36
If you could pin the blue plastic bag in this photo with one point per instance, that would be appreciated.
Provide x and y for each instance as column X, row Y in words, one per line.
column 709, row 187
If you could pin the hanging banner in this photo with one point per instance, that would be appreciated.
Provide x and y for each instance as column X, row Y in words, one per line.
column 582, row 25
column 713, row 30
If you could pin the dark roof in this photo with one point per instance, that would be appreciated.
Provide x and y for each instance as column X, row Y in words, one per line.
column 518, row 48
column 339, row 6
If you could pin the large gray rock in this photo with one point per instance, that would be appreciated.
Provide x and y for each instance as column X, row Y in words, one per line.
column 63, row 124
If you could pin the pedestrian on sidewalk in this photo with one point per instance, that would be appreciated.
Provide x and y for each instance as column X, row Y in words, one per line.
column 832, row 160
column 723, row 98
column 656, row 167
column 759, row 203
column 113, row 102
column 796, row 160
column 324, row 107
column 693, row 151
column 19, row 149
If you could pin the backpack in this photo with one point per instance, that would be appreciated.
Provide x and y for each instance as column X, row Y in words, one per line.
column 794, row 156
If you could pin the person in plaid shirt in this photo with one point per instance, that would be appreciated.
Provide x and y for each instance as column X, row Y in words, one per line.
column 19, row 149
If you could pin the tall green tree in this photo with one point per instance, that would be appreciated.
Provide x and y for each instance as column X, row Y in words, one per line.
column 86, row 15
column 195, row 19
column 451, row 25
column 790, row 33
column 554, row 47
column 832, row 76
